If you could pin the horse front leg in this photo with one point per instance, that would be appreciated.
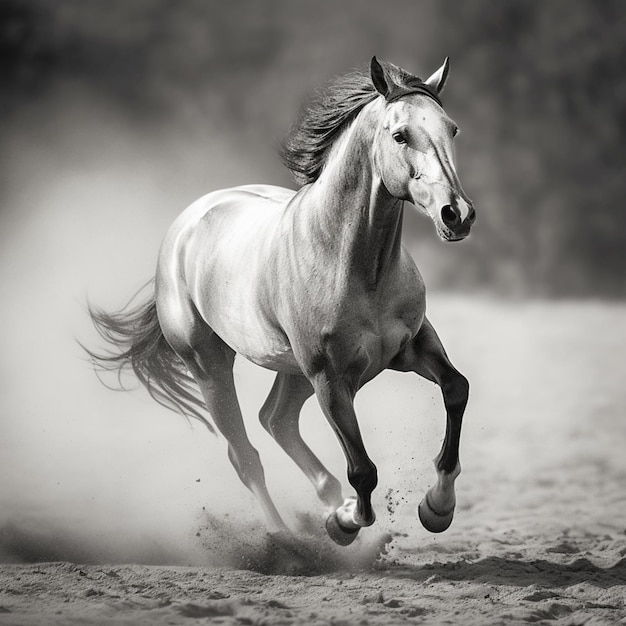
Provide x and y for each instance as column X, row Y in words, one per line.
column 426, row 356
column 336, row 401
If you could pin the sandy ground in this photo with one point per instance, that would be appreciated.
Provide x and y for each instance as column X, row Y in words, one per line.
column 539, row 535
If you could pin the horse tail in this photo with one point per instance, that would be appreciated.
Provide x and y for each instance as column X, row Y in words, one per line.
column 137, row 344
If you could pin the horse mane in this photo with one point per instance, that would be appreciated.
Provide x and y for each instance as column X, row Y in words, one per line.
column 329, row 112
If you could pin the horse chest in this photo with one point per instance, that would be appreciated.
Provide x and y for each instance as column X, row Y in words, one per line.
column 360, row 340
column 386, row 334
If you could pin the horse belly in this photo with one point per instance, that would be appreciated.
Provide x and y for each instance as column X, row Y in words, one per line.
column 240, row 322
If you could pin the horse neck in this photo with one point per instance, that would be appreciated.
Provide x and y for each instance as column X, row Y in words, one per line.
column 358, row 220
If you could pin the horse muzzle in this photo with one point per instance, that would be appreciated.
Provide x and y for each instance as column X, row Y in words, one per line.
column 455, row 221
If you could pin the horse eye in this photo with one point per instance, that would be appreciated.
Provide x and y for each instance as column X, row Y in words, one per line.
column 399, row 137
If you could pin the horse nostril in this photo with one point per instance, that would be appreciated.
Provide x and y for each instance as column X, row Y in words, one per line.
column 450, row 215
column 471, row 216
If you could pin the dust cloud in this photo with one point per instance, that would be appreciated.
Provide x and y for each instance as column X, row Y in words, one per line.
column 87, row 473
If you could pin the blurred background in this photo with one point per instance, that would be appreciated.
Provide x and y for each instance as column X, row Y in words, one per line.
column 196, row 95
column 114, row 116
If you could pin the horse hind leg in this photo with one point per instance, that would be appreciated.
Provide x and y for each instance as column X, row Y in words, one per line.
column 211, row 364
column 280, row 416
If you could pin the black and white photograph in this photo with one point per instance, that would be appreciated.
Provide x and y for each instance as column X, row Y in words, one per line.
column 312, row 312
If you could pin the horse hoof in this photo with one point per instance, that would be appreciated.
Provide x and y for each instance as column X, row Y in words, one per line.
column 340, row 534
column 434, row 521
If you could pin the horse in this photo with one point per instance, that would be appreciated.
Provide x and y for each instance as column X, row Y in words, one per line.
column 314, row 284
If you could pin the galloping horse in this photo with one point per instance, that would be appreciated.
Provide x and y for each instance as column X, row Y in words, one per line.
column 313, row 284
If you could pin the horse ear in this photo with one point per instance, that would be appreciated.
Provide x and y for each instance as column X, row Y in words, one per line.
column 379, row 77
column 438, row 79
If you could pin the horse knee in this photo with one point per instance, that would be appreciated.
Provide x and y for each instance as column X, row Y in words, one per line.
column 455, row 388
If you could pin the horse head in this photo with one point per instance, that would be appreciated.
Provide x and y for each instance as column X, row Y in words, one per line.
column 414, row 152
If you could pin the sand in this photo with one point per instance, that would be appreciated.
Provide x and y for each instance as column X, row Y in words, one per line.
column 539, row 535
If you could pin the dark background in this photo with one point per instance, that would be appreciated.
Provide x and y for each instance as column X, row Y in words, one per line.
column 186, row 97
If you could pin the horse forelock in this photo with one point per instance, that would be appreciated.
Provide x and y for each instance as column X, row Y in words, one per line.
column 331, row 110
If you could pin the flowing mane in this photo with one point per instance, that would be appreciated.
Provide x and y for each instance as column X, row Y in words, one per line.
column 328, row 113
